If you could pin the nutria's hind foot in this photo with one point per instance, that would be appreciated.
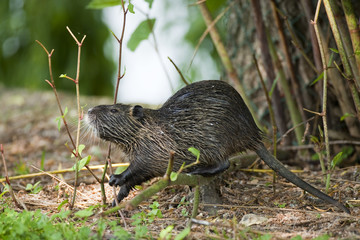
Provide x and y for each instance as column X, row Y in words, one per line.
column 208, row 171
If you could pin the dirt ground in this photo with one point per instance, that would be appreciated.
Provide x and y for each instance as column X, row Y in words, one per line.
column 28, row 132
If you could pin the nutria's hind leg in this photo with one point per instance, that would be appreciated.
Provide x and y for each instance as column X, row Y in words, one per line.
column 211, row 170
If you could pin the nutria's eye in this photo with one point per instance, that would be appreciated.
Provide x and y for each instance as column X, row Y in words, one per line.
column 113, row 110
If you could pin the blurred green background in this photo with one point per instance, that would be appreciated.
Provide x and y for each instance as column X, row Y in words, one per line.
column 23, row 63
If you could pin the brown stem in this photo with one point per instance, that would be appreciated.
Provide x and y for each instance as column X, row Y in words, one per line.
column 296, row 90
column 324, row 103
column 119, row 77
column 206, row 32
column 346, row 40
column 120, row 41
column 309, row 13
column 53, row 86
column 339, row 40
column 271, row 111
column 170, row 166
column 221, row 50
column 354, row 29
column 12, row 194
column 178, row 70
column 77, row 155
column 268, row 64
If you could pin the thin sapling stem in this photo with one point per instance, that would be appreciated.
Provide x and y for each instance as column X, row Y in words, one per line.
column 77, row 155
column 119, row 77
column 323, row 60
column 12, row 194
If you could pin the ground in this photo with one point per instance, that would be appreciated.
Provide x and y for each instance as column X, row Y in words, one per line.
column 29, row 134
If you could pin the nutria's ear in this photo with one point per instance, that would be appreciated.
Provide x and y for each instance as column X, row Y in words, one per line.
column 137, row 112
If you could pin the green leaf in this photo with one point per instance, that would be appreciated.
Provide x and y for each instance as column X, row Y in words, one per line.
column 322, row 237
column 336, row 160
column 173, row 176
column 184, row 212
column 63, row 214
column 5, row 190
column 297, row 237
column 82, row 163
column 314, row 139
column 118, row 231
column 141, row 33
column 119, row 170
column 321, row 132
column 194, row 151
column 347, row 151
column 131, row 8
column 81, row 148
column 346, row 115
column 62, row 76
column 28, row 187
column 182, row 234
column 273, row 86
column 62, row 204
column 166, row 233
column 42, row 160
column 34, row 189
column 280, row 205
column 141, row 232
column 154, row 205
column 150, row 2
column 315, row 156
column 265, row 237
column 317, row 79
column 99, row 4
column 331, row 59
column 58, row 120
column 85, row 213
column 334, row 50
column 65, row 112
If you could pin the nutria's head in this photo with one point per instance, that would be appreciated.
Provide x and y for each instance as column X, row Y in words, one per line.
column 117, row 123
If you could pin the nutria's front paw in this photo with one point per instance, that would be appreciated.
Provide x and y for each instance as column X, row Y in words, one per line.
column 116, row 180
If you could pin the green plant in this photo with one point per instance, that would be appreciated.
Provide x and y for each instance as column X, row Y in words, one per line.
column 34, row 189
column 184, row 211
column 5, row 190
column 60, row 119
column 196, row 153
column 119, row 231
column 280, row 205
column 144, row 218
column 35, row 225
column 21, row 168
column 141, row 219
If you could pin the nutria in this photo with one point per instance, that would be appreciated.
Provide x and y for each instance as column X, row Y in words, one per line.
column 207, row 115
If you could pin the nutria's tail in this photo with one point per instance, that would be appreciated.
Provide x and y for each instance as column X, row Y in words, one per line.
column 278, row 167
